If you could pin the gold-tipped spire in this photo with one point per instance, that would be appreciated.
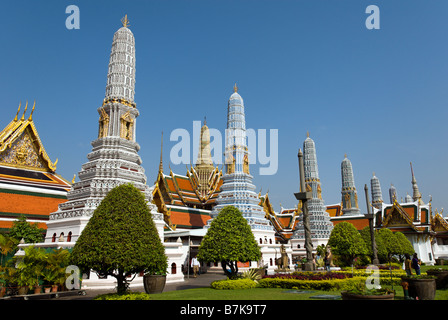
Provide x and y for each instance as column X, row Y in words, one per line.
column 125, row 21
column 161, row 152
column 235, row 88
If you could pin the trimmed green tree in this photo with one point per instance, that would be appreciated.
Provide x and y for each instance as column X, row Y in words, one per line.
column 121, row 238
column 405, row 246
column 229, row 240
column 29, row 232
column 346, row 242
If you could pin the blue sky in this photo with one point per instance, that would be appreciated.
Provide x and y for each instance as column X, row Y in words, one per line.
column 378, row 96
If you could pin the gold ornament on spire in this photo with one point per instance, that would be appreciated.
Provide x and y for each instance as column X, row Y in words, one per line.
column 125, row 21
column 235, row 88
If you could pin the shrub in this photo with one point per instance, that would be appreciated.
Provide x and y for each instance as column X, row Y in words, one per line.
column 325, row 285
column 233, row 284
column 121, row 238
column 229, row 240
column 128, row 296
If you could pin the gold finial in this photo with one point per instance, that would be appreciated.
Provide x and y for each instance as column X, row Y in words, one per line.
column 307, row 134
column 345, row 155
column 125, row 21
column 18, row 110
column 74, row 177
column 161, row 152
column 32, row 110
column 23, row 115
column 235, row 88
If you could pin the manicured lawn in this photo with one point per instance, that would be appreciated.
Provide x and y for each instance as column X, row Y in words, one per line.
column 243, row 294
column 263, row 294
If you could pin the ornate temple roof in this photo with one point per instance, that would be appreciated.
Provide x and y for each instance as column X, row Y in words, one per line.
column 21, row 147
column 284, row 222
column 186, row 200
column 29, row 184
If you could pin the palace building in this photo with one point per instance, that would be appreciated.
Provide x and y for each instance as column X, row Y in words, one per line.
column 29, row 185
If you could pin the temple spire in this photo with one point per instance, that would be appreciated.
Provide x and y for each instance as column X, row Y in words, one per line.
column 320, row 224
column 349, row 194
column 121, row 72
column 377, row 197
column 416, row 192
column 161, row 153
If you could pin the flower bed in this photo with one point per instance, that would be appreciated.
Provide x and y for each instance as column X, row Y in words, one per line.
column 316, row 276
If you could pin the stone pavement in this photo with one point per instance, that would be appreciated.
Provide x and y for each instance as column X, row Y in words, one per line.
column 200, row 281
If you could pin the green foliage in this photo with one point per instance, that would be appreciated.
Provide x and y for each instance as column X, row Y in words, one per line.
column 29, row 267
column 229, row 240
column 251, row 274
column 56, row 263
column 388, row 243
column 8, row 245
column 38, row 266
column 228, row 284
column 404, row 244
column 346, row 242
column 325, row 285
column 29, row 232
column 128, row 296
column 121, row 238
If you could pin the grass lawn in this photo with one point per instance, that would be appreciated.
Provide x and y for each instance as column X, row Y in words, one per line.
column 271, row 293
column 242, row 294
column 263, row 294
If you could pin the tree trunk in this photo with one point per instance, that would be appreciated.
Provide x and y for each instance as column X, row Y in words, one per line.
column 233, row 265
column 121, row 283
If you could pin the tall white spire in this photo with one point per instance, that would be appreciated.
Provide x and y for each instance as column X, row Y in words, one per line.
column 121, row 72
column 377, row 197
column 320, row 224
column 237, row 189
column 349, row 194
column 114, row 159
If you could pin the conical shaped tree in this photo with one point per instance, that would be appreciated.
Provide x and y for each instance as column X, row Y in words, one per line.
column 121, row 238
column 229, row 240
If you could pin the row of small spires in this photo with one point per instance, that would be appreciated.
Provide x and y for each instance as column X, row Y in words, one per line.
column 23, row 115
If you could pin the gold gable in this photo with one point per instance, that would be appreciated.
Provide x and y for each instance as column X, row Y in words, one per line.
column 439, row 224
column 21, row 147
column 397, row 217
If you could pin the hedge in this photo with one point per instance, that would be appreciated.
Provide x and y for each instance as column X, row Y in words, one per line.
column 325, row 285
column 233, row 284
column 128, row 296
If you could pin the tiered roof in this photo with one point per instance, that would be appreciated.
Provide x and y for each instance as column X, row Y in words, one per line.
column 29, row 184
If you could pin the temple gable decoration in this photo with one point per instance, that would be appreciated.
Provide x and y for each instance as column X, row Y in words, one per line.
column 21, row 147
column 397, row 217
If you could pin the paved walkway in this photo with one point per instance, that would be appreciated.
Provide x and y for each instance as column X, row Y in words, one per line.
column 200, row 281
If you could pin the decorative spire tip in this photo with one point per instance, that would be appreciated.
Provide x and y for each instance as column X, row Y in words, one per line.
column 235, row 88
column 125, row 21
